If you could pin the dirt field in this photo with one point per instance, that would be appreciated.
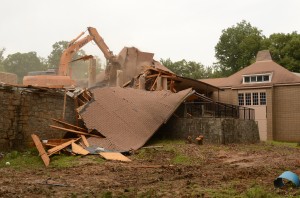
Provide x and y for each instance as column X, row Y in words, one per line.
column 174, row 169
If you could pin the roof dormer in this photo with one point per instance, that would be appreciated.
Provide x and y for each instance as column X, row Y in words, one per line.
column 257, row 78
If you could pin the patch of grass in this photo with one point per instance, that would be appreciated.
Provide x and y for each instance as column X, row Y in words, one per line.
column 288, row 144
column 64, row 161
column 107, row 194
column 148, row 194
column 258, row 192
column 164, row 142
column 171, row 149
column 181, row 159
column 99, row 160
column 217, row 192
column 22, row 160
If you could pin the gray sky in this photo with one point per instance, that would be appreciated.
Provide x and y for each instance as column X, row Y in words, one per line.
column 173, row 29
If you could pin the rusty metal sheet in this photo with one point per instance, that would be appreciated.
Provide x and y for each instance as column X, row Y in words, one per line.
column 129, row 117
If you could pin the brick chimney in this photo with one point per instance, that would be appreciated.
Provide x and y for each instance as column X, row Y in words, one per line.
column 263, row 55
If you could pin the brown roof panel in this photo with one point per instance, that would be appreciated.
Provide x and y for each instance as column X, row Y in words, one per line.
column 279, row 75
column 263, row 64
column 129, row 117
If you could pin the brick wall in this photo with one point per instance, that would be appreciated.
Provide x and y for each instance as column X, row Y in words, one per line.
column 214, row 130
column 270, row 115
column 286, row 112
column 25, row 111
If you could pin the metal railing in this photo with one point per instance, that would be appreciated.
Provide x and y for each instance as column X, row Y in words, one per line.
column 217, row 110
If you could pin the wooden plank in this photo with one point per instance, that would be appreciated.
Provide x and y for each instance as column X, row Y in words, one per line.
column 127, row 83
column 78, row 149
column 41, row 149
column 158, row 70
column 85, row 142
column 153, row 75
column 80, row 102
column 74, row 131
column 152, row 87
column 86, row 95
column 69, row 125
column 60, row 147
column 64, row 107
column 89, row 94
column 58, row 141
column 55, row 142
column 83, row 96
column 114, row 156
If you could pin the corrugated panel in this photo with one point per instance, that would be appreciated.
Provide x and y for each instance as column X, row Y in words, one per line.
column 129, row 117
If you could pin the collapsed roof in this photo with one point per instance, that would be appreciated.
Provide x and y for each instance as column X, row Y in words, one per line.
column 128, row 117
column 134, row 62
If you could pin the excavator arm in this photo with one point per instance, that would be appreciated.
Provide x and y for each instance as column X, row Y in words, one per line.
column 68, row 53
column 112, row 61
column 64, row 72
column 76, row 44
column 101, row 44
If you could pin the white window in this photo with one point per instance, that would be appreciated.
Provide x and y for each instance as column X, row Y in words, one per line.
column 257, row 78
column 262, row 98
column 241, row 99
column 255, row 98
column 248, row 98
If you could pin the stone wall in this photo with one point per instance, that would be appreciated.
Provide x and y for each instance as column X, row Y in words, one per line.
column 29, row 110
column 214, row 130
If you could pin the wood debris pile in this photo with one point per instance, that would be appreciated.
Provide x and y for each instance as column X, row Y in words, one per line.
column 154, row 79
column 77, row 145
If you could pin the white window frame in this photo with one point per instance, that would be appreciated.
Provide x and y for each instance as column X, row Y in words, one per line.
column 251, row 76
column 249, row 101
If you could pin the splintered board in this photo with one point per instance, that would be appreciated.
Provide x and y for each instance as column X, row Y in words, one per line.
column 78, row 149
column 41, row 149
column 114, row 156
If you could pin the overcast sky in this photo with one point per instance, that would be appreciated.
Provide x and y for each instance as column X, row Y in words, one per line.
column 174, row 29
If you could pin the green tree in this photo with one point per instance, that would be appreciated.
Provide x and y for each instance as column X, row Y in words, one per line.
column 185, row 68
column 22, row 63
column 214, row 71
column 285, row 49
column 1, row 59
column 237, row 47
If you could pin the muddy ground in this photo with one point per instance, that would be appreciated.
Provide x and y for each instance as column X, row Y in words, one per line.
column 171, row 169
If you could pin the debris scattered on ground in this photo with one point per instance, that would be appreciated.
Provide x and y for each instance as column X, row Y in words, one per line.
column 114, row 156
column 71, row 146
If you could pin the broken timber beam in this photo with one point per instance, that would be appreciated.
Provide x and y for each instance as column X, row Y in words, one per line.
column 41, row 149
column 74, row 131
column 84, row 140
column 69, row 125
column 155, row 82
column 60, row 147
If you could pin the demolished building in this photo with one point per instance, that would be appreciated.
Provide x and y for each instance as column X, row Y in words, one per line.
column 124, row 111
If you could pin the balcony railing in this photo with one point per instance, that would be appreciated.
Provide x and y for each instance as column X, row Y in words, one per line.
column 217, row 110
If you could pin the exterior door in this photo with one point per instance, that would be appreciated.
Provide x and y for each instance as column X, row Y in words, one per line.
column 256, row 99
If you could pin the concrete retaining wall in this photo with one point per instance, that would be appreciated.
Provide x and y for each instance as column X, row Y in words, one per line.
column 214, row 130
column 25, row 111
